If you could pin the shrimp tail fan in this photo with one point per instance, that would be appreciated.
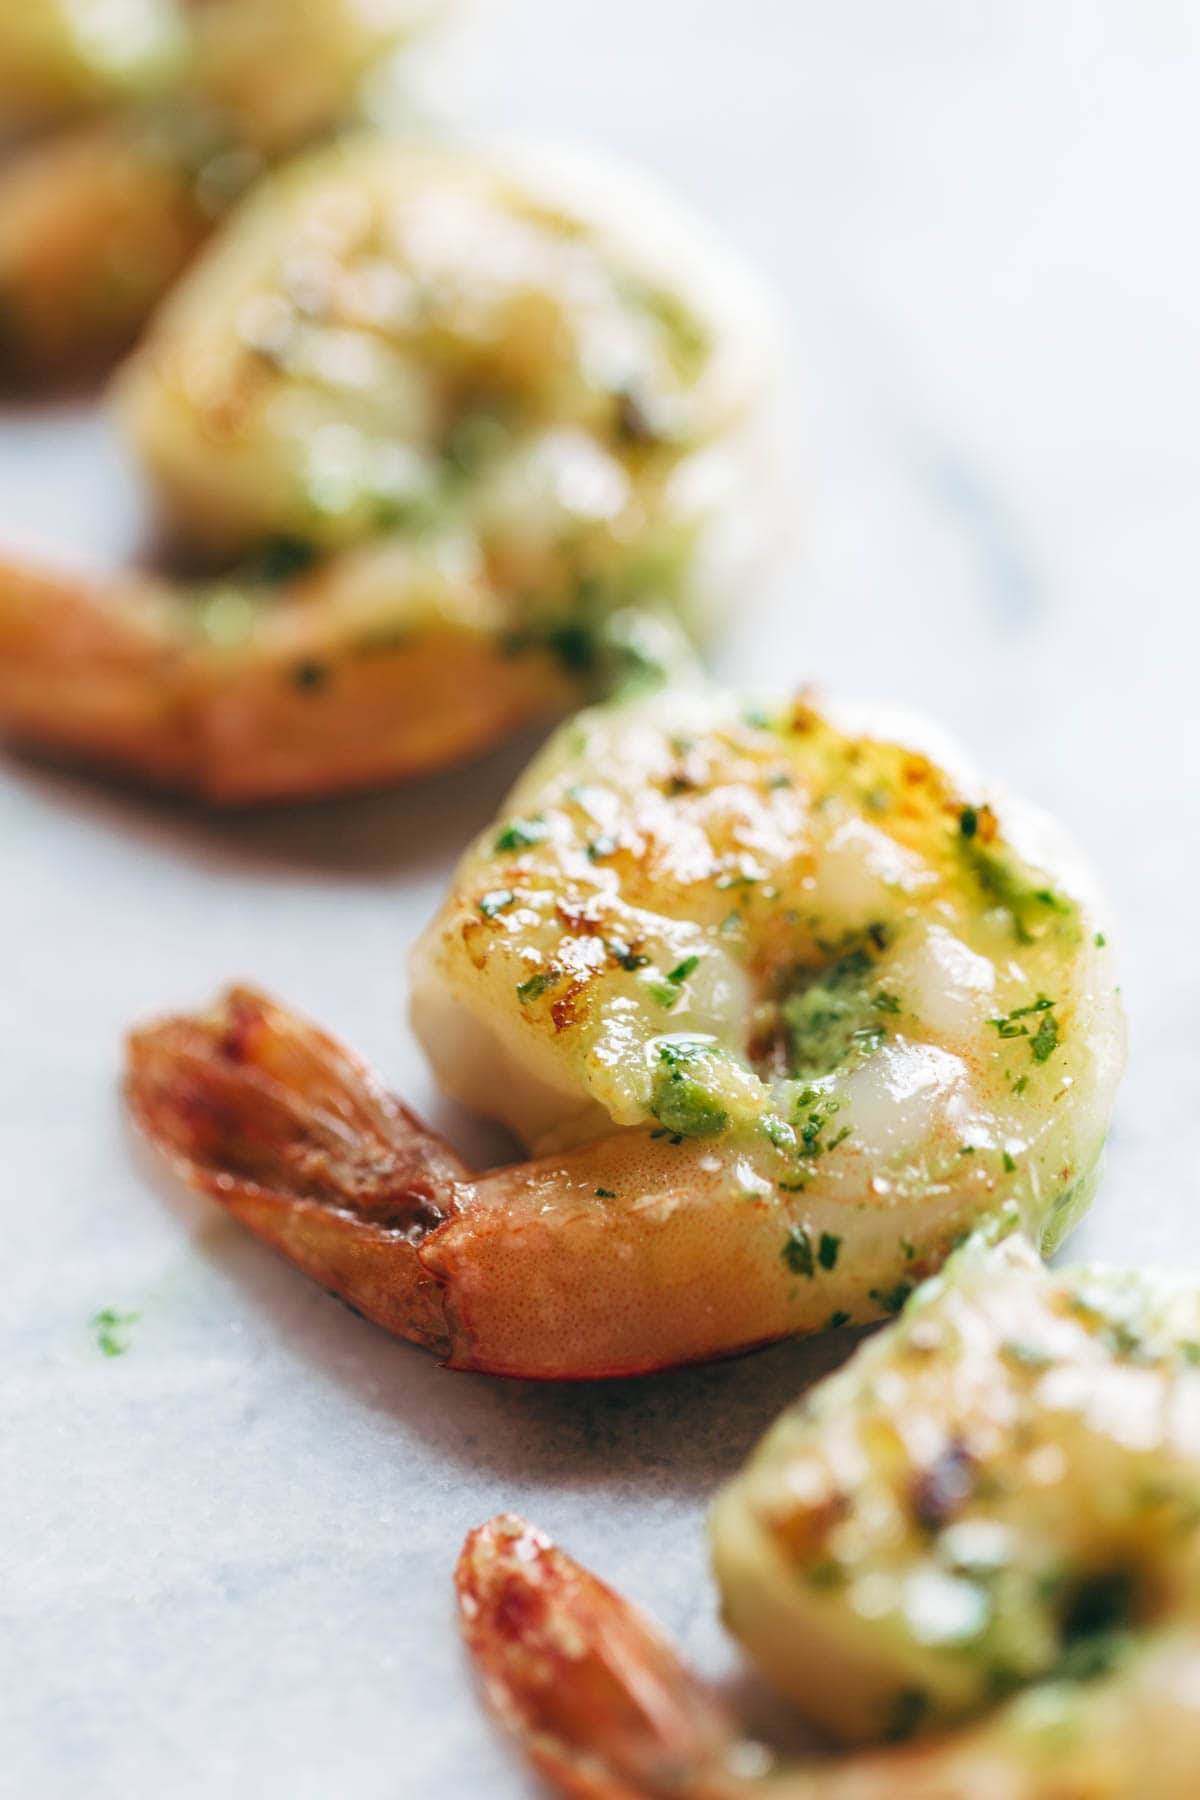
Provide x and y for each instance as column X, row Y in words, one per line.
column 291, row 1134
column 599, row 1702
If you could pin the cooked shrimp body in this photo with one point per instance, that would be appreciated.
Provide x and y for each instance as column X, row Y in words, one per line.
column 991, row 1513
column 779, row 1008
column 156, row 115
column 1009, row 1472
column 855, row 1000
column 66, row 56
column 604, row 1709
column 472, row 406
column 542, row 324
column 275, row 71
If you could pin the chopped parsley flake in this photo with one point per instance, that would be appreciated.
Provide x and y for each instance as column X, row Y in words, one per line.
column 110, row 1328
column 626, row 957
column 519, row 834
column 309, row 676
column 798, row 1253
column 495, row 901
column 682, row 970
column 908, row 1710
column 1044, row 1041
column 827, row 1250
column 829, row 1017
column 535, row 987
column 682, row 1100
column 891, row 1300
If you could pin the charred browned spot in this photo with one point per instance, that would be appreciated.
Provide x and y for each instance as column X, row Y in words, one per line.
column 916, row 771
column 803, row 1529
column 987, row 827
column 804, row 715
column 563, row 1009
column 585, row 916
column 688, row 774
column 475, row 940
column 770, row 1051
column 942, row 1489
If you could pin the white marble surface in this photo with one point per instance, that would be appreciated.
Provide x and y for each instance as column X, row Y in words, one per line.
column 226, row 1555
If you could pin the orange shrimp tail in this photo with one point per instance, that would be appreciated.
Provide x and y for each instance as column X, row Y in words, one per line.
column 115, row 675
column 87, row 674
column 291, row 1134
column 598, row 1700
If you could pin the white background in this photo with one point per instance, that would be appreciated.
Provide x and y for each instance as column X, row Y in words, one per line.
column 226, row 1556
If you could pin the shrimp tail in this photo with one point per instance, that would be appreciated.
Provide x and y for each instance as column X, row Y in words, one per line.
column 291, row 1134
column 88, row 671
column 120, row 675
column 599, row 1702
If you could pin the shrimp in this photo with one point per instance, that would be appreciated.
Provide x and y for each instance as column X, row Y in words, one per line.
column 60, row 57
column 779, row 1006
column 989, row 1516
column 452, row 419
column 148, row 117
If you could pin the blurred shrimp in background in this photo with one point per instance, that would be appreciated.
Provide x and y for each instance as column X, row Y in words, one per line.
column 132, row 125
column 448, row 427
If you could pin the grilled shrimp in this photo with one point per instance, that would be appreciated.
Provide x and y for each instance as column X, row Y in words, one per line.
column 448, row 414
column 991, row 1516
column 779, row 1005
column 150, row 116
column 62, row 57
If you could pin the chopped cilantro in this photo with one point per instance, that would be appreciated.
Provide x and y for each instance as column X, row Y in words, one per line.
column 280, row 558
column 891, row 1300
column 495, row 901
column 605, row 1194
column 682, row 970
column 827, row 1250
column 1045, row 1040
column 110, row 1328
column 797, row 1252
column 682, row 1100
column 908, row 1711
column 535, row 987
column 779, row 1132
column 827, row 1017
column 1030, row 908
column 309, row 676
column 519, row 834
